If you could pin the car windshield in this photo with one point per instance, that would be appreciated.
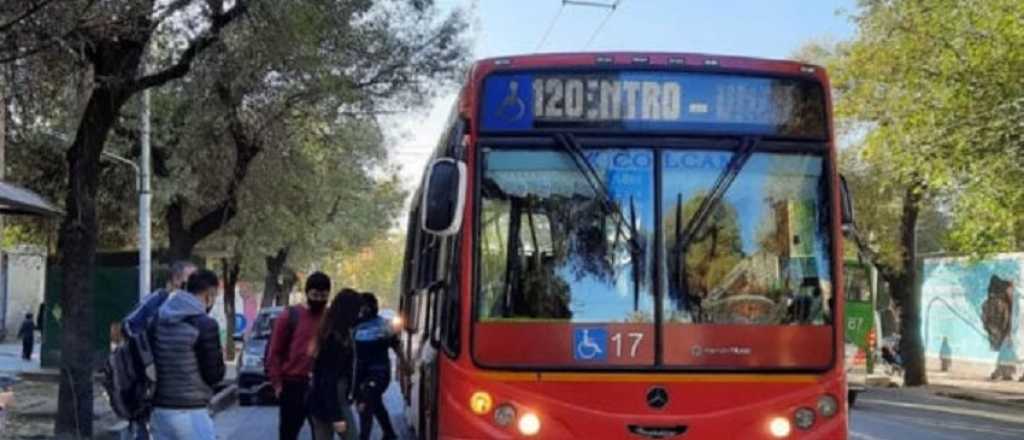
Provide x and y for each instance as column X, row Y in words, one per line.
column 264, row 323
column 556, row 264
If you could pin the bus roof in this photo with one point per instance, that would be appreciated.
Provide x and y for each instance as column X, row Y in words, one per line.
column 641, row 59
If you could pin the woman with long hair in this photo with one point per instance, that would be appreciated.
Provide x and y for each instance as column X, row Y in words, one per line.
column 333, row 352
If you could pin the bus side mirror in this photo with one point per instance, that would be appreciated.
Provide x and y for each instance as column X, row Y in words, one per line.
column 846, row 205
column 444, row 197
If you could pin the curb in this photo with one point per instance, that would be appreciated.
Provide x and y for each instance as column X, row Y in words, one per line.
column 979, row 398
column 223, row 400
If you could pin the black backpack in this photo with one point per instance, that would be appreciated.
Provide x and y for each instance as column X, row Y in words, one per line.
column 129, row 376
column 293, row 321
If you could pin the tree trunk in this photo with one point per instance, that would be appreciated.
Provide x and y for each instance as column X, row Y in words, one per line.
column 231, row 270
column 179, row 239
column 906, row 293
column 288, row 280
column 114, row 58
column 271, row 284
column 77, row 243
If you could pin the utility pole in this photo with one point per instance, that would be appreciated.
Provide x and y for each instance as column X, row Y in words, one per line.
column 145, row 244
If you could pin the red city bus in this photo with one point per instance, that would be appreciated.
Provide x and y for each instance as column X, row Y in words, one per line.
column 629, row 245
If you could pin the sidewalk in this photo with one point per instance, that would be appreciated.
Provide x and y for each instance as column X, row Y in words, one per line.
column 35, row 392
column 979, row 389
column 11, row 362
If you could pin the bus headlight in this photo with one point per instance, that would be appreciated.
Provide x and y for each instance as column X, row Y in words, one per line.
column 504, row 415
column 779, row 427
column 480, row 402
column 827, row 405
column 529, row 424
column 804, row 418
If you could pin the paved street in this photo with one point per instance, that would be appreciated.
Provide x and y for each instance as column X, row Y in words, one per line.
column 10, row 358
column 260, row 422
column 881, row 414
column 900, row 414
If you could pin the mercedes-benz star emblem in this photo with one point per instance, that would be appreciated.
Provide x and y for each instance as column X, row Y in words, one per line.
column 657, row 398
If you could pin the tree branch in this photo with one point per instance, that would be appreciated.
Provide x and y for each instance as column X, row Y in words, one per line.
column 246, row 150
column 197, row 46
column 169, row 10
column 28, row 12
column 213, row 220
column 872, row 255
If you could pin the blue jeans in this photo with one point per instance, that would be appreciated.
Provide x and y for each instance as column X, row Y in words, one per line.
column 181, row 424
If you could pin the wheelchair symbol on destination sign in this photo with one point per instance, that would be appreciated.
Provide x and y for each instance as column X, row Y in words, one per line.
column 512, row 108
column 590, row 344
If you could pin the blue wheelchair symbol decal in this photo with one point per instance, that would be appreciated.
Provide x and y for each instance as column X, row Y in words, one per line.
column 590, row 344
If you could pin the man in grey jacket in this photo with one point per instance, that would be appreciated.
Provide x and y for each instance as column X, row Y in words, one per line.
column 189, row 362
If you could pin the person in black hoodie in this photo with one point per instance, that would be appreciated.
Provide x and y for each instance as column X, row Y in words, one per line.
column 329, row 404
column 189, row 362
column 27, row 333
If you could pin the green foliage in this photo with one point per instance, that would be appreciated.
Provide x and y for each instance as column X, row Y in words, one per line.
column 936, row 84
column 275, row 136
column 878, row 204
column 375, row 267
column 326, row 195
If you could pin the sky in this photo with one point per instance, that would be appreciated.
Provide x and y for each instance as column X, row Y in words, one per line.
column 759, row 28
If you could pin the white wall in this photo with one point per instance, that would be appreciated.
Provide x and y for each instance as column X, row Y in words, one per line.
column 25, row 283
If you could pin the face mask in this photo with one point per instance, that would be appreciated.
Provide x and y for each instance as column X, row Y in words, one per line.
column 208, row 302
column 316, row 306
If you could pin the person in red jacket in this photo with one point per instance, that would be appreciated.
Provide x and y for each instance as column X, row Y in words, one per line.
column 290, row 359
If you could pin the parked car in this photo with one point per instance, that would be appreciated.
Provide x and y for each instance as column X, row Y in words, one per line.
column 253, row 385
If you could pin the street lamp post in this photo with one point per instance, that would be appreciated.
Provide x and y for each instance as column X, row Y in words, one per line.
column 145, row 243
column 142, row 186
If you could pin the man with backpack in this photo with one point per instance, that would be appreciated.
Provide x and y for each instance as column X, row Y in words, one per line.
column 289, row 361
column 374, row 336
column 130, row 375
column 145, row 312
column 189, row 361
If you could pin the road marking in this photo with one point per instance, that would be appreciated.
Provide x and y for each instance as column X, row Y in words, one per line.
column 955, row 411
column 897, row 426
column 859, row 436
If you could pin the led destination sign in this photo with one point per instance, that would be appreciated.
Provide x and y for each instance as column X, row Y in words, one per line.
column 654, row 101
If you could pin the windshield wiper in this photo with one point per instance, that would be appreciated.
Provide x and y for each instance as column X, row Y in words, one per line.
column 568, row 143
column 685, row 236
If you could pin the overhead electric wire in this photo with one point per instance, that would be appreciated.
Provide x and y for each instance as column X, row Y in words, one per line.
column 611, row 10
column 551, row 27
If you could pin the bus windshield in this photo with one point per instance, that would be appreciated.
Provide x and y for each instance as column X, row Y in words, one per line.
column 554, row 260
column 551, row 250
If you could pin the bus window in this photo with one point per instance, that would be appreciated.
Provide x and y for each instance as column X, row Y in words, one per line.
column 569, row 258
column 760, row 259
column 555, row 257
column 858, row 282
